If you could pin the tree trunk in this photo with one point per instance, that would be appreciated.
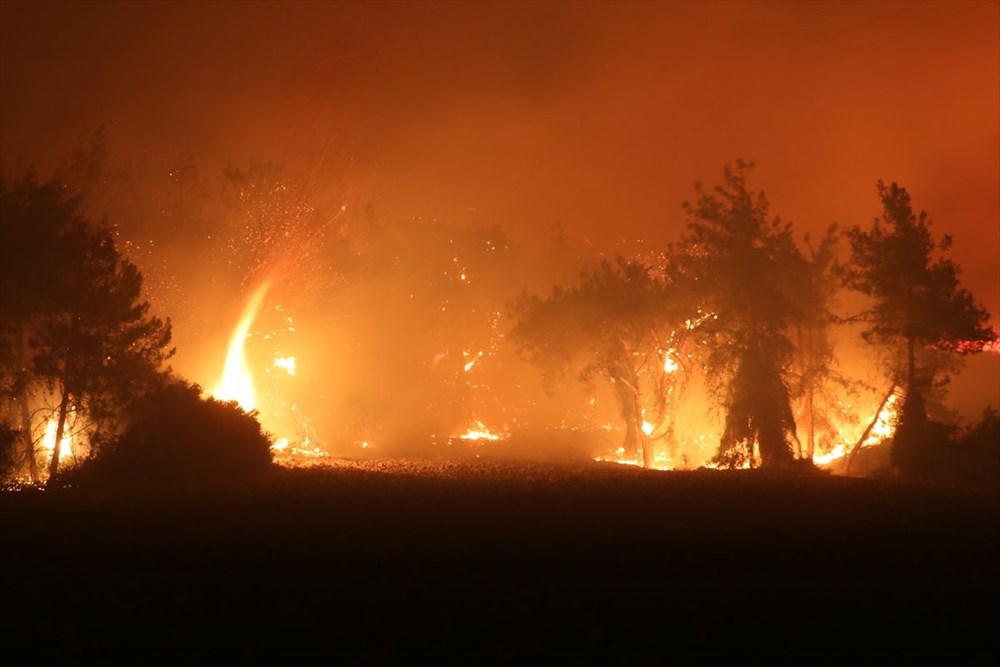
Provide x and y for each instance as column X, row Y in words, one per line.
column 631, row 442
column 63, row 403
column 27, row 439
column 810, row 424
column 868, row 429
column 57, row 445
column 630, row 402
column 29, row 442
column 911, row 359
column 644, row 439
column 807, row 351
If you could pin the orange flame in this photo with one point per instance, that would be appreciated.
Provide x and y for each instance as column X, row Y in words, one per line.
column 49, row 439
column 885, row 426
column 236, row 383
column 480, row 432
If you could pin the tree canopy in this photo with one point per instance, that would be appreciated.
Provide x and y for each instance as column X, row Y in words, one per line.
column 737, row 266
column 77, row 338
column 917, row 304
column 612, row 324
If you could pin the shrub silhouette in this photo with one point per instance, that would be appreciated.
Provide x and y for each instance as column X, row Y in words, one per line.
column 978, row 453
column 932, row 451
column 174, row 436
column 8, row 454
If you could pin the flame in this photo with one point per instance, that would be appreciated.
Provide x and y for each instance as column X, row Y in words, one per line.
column 236, row 383
column 480, row 432
column 298, row 453
column 834, row 454
column 288, row 363
column 670, row 364
column 885, row 426
column 49, row 439
column 661, row 461
column 647, row 428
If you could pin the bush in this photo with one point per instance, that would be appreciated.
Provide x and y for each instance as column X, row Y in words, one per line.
column 978, row 452
column 920, row 446
column 174, row 436
column 932, row 451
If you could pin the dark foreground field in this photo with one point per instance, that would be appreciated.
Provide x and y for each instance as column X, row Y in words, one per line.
column 390, row 561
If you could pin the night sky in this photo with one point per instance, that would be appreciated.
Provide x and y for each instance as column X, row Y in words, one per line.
column 599, row 116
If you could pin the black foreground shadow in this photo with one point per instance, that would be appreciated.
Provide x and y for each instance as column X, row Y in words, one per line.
column 501, row 560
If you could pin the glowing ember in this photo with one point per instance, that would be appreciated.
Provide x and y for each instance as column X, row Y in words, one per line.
column 288, row 363
column 660, row 459
column 647, row 428
column 236, row 383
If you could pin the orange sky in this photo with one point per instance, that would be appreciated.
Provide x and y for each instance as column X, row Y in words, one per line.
column 600, row 116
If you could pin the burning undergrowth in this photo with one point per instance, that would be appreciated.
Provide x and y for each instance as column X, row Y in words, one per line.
column 267, row 370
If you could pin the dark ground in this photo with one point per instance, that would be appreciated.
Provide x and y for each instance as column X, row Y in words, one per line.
column 396, row 561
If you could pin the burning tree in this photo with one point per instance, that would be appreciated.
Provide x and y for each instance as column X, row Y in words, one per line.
column 607, row 326
column 72, row 322
column 918, row 307
column 738, row 265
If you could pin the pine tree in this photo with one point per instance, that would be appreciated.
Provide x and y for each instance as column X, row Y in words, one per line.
column 917, row 304
column 739, row 265
column 75, row 312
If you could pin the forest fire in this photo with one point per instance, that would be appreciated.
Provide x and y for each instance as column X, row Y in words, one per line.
column 569, row 332
column 237, row 384
column 722, row 335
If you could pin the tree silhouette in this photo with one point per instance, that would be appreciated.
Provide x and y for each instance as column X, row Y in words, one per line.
column 737, row 266
column 917, row 303
column 72, row 319
column 607, row 326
